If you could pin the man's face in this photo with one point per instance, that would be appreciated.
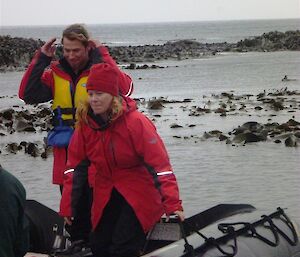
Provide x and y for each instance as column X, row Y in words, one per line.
column 76, row 53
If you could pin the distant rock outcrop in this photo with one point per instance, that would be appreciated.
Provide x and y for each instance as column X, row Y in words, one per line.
column 272, row 41
column 16, row 53
column 178, row 50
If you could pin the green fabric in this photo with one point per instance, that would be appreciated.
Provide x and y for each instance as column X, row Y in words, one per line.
column 14, row 228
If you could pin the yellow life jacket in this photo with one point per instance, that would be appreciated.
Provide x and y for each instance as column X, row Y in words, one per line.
column 65, row 101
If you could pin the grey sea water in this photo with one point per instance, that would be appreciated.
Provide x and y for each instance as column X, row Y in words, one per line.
column 159, row 33
column 209, row 172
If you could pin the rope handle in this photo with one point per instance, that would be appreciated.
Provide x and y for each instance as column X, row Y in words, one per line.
column 188, row 248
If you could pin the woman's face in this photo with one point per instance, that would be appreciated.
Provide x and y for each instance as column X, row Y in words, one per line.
column 100, row 102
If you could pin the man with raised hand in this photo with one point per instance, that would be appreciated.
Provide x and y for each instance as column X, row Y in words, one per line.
column 64, row 81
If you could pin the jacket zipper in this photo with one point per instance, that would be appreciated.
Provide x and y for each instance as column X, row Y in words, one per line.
column 103, row 149
column 113, row 152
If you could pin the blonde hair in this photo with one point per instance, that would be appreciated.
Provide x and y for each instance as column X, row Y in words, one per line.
column 116, row 107
column 116, row 110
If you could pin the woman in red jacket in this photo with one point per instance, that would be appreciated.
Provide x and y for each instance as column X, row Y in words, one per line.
column 134, row 182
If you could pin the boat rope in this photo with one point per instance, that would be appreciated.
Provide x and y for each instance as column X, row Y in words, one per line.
column 211, row 241
column 284, row 218
column 147, row 240
column 188, row 248
column 247, row 229
column 252, row 232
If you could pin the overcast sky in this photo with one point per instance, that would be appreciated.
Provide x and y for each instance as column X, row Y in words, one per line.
column 61, row 12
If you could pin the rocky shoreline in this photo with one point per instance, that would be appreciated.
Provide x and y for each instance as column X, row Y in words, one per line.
column 37, row 120
column 16, row 52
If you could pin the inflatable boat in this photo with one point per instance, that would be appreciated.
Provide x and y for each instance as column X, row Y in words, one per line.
column 236, row 230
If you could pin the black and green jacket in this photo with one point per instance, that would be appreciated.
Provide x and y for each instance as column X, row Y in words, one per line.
column 14, row 230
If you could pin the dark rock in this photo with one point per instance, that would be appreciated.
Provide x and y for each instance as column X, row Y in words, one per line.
column 292, row 122
column 174, row 125
column 252, row 126
column 271, row 41
column 223, row 137
column 12, row 147
column 16, row 51
column 258, row 108
column 220, row 110
column 32, row 149
column 177, row 136
column 252, row 137
column 44, row 155
column 132, row 66
column 23, row 143
column 7, row 114
column 291, row 141
column 24, row 125
column 155, row 104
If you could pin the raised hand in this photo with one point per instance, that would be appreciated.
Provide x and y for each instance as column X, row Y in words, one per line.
column 49, row 47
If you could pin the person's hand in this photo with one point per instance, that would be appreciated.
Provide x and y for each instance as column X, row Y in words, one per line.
column 180, row 215
column 49, row 47
column 94, row 43
column 68, row 220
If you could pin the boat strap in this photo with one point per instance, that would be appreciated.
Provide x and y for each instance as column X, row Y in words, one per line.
column 189, row 249
column 211, row 241
column 248, row 229
column 290, row 225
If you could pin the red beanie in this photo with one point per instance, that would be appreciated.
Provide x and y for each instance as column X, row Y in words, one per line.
column 104, row 78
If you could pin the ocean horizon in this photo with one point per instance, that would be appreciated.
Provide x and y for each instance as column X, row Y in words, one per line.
column 118, row 34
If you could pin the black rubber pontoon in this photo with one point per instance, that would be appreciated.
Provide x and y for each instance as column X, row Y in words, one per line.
column 237, row 230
